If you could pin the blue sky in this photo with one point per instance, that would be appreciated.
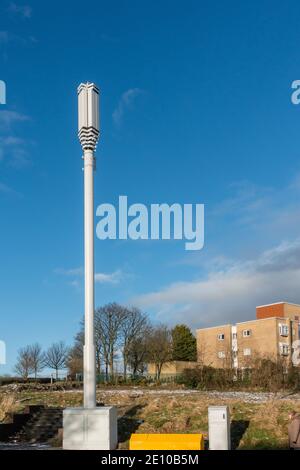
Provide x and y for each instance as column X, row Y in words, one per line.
column 195, row 108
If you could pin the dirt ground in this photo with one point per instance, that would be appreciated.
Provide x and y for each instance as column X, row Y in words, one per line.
column 258, row 420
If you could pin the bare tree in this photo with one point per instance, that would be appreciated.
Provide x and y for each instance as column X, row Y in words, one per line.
column 159, row 347
column 74, row 361
column 37, row 358
column 108, row 320
column 137, row 353
column 203, row 353
column 56, row 357
column 23, row 366
column 117, row 330
column 98, row 346
column 133, row 325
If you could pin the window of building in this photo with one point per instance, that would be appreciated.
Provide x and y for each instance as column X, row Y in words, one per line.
column 283, row 330
column 246, row 333
column 284, row 349
column 234, row 335
column 221, row 336
column 221, row 354
column 247, row 352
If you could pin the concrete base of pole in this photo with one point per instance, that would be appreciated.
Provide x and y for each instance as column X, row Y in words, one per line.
column 90, row 428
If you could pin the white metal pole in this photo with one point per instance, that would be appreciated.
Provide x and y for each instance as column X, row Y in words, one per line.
column 89, row 427
column 88, row 131
column 89, row 346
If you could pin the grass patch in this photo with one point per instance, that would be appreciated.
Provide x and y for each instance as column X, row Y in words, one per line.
column 8, row 404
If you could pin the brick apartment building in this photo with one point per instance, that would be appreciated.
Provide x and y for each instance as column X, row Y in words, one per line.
column 271, row 335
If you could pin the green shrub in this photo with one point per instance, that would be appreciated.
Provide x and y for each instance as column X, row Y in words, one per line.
column 264, row 374
column 208, row 378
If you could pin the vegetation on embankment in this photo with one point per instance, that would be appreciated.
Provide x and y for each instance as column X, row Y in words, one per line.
column 259, row 421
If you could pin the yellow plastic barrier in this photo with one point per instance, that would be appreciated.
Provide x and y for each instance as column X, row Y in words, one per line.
column 166, row 442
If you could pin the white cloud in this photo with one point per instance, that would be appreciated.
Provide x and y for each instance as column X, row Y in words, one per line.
column 75, row 283
column 100, row 278
column 25, row 11
column 109, row 278
column 125, row 102
column 73, row 272
column 231, row 294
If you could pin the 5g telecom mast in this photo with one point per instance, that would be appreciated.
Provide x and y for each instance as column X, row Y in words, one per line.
column 90, row 427
column 88, row 132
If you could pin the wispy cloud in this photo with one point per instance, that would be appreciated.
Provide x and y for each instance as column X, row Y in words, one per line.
column 246, row 201
column 25, row 11
column 75, row 283
column 5, row 189
column 109, row 278
column 9, row 118
column 100, row 278
column 15, row 151
column 7, row 38
column 125, row 102
column 12, row 147
column 74, row 272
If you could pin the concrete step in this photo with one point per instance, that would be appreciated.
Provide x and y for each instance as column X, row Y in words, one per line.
column 42, row 426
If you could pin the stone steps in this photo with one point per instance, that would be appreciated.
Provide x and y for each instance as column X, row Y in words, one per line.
column 16, row 421
column 42, row 425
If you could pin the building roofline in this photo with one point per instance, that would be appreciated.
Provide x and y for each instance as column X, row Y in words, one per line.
column 210, row 327
column 277, row 303
column 246, row 321
column 261, row 319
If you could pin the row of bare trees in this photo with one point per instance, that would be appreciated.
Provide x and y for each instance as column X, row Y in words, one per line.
column 123, row 333
column 124, row 338
column 32, row 359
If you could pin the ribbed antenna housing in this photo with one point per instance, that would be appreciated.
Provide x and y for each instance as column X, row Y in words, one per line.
column 88, row 115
